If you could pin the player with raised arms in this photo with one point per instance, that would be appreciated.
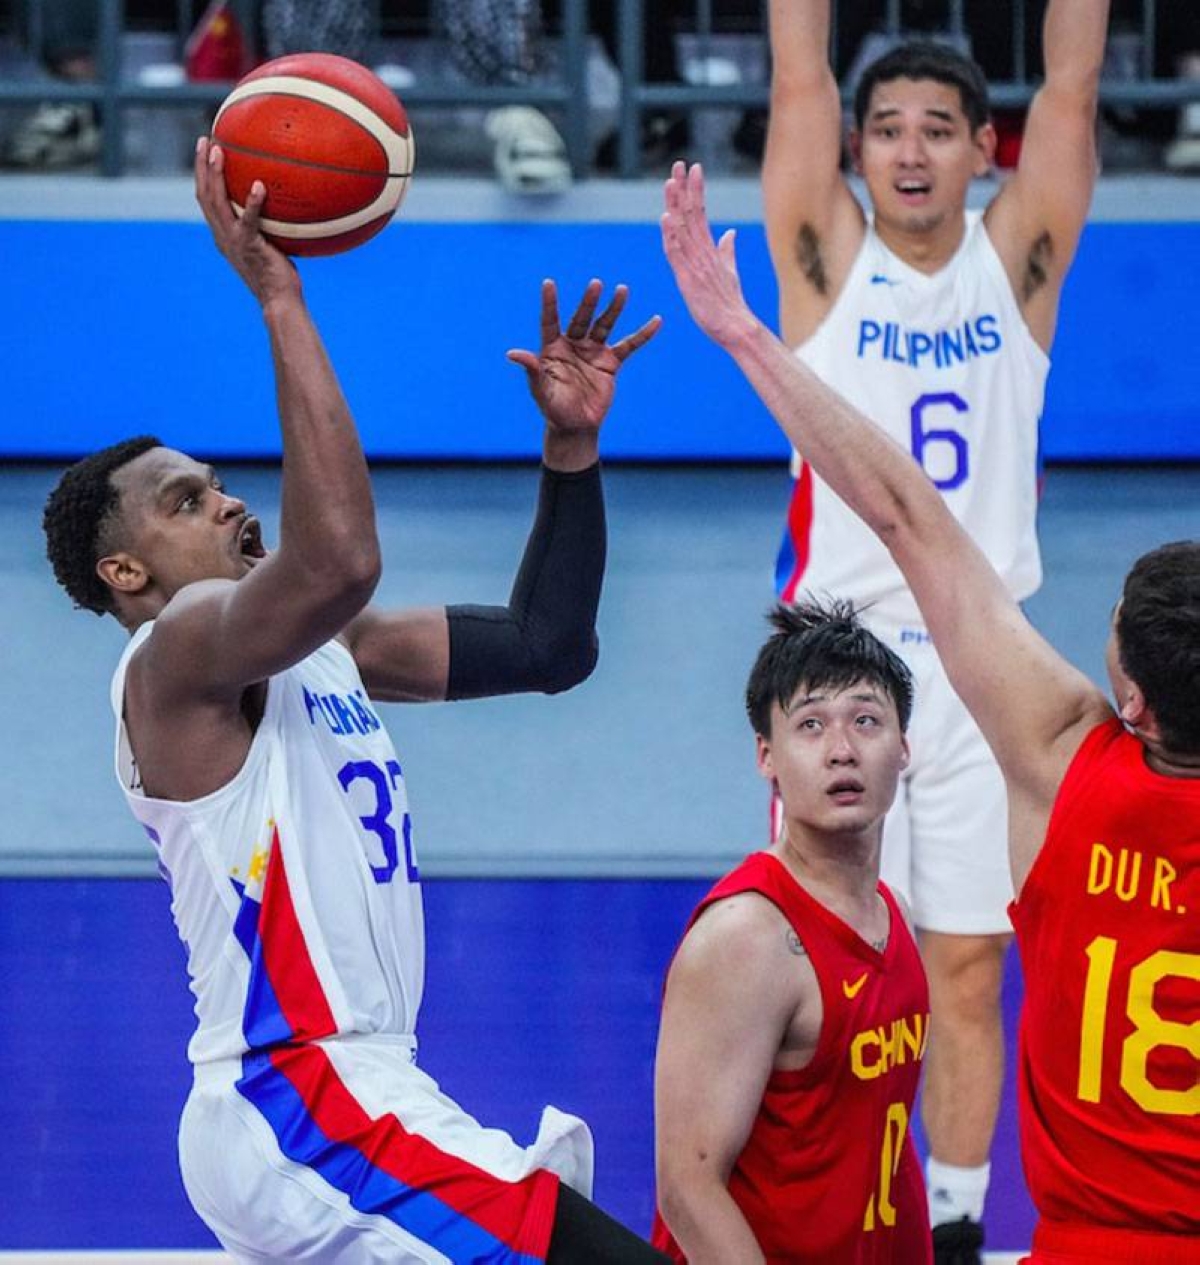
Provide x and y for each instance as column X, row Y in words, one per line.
column 251, row 750
column 1104, row 806
column 936, row 322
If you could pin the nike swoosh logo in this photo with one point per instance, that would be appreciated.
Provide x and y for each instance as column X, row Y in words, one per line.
column 853, row 990
column 878, row 279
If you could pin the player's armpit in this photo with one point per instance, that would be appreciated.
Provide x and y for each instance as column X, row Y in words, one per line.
column 1036, row 220
column 814, row 223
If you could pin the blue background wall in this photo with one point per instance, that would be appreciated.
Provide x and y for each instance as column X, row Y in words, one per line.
column 95, row 316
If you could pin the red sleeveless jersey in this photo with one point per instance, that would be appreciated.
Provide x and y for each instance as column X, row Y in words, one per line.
column 829, row 1173
column 1108, row 927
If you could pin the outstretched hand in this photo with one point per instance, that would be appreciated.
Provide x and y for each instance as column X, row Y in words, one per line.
column 706, row 272
column 573, row 377
column 265, row 269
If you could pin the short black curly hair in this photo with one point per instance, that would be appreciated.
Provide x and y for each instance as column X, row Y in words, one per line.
column 79, row 513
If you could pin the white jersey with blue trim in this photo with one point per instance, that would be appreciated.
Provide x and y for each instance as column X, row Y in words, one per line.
column 946, row 366
column 294, row 887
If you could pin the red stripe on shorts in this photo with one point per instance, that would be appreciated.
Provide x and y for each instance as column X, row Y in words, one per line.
column 519, row 1214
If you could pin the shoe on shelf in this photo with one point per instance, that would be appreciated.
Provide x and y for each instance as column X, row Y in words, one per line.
column 1183, row 154
column 53, row 136
column 957, row 1242
column 530, row 156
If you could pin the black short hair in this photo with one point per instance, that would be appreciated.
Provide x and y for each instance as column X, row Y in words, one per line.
column 921, row 59
column 79, row 517
column 1158, row 639
column 822, row 645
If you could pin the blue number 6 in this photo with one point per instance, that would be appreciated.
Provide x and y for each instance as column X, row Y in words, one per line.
column 378, row 822
column 922, row 439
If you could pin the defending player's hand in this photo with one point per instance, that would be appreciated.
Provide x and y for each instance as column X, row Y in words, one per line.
column 573, row 377
column 266, row 270
column 706, row 272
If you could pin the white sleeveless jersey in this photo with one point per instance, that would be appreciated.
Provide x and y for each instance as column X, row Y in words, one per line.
column 946, row 366
column 294, row 887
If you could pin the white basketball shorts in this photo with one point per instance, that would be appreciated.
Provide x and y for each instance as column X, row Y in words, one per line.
column 945, row 841
column 345, row 1151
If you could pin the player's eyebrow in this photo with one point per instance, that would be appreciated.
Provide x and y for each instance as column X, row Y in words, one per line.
column 890, row 111
column 205, row 476
column 859, row 696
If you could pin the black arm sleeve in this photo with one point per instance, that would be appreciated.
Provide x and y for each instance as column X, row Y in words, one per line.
column 545, row 638
column 585, row 1235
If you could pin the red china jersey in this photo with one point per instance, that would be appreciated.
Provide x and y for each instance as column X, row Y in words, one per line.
column 1108, row 926
column 829, row 1173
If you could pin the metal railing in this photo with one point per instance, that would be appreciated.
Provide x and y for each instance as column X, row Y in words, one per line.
column 565, row 92
column 113, row 93
column 1139, row 89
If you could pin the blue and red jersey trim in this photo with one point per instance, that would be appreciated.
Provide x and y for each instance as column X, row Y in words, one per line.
column 796, row 545
column 452, row 1205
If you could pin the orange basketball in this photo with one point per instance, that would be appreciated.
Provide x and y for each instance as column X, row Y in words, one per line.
column 329, row 140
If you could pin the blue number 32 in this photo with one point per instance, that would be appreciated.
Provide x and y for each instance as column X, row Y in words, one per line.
column 379, row 822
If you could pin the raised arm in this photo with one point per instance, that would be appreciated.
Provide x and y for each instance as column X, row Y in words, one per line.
column 814, row 223
column 545, row 637
column 216, row 636
column 1037, row 218
column 1031, row 704
column 721, row 1032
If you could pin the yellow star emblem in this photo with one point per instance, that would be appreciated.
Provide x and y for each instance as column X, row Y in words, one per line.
column 258, row 865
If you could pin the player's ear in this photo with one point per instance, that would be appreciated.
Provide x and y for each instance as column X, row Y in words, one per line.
column 1131, row 703
column 985, row 149
column 905, row 752
column 123, row 572
column 1136, row 713
column 762, row 753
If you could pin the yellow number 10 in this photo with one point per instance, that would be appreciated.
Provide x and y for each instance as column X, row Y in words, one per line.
column 1150, row 1029
column 895, row 1126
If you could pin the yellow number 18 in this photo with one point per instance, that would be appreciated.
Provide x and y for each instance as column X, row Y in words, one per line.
column 1150, row 1029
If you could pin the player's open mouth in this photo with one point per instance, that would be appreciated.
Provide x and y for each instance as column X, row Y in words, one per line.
column 250, row 543
column 913, row 189
column 845, row 792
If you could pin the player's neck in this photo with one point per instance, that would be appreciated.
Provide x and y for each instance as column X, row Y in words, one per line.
column 1170, row 763
column 927, row 248
column 839, row 871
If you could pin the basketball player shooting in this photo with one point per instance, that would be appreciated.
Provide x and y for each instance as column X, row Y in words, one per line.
column 1104, row 805
column 252, row 753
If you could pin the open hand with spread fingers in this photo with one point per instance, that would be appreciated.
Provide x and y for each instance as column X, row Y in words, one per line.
column 705, row 271
column 573, row 377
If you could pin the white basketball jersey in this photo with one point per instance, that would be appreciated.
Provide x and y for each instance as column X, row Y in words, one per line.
column 945, row 365
column 294, row 887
